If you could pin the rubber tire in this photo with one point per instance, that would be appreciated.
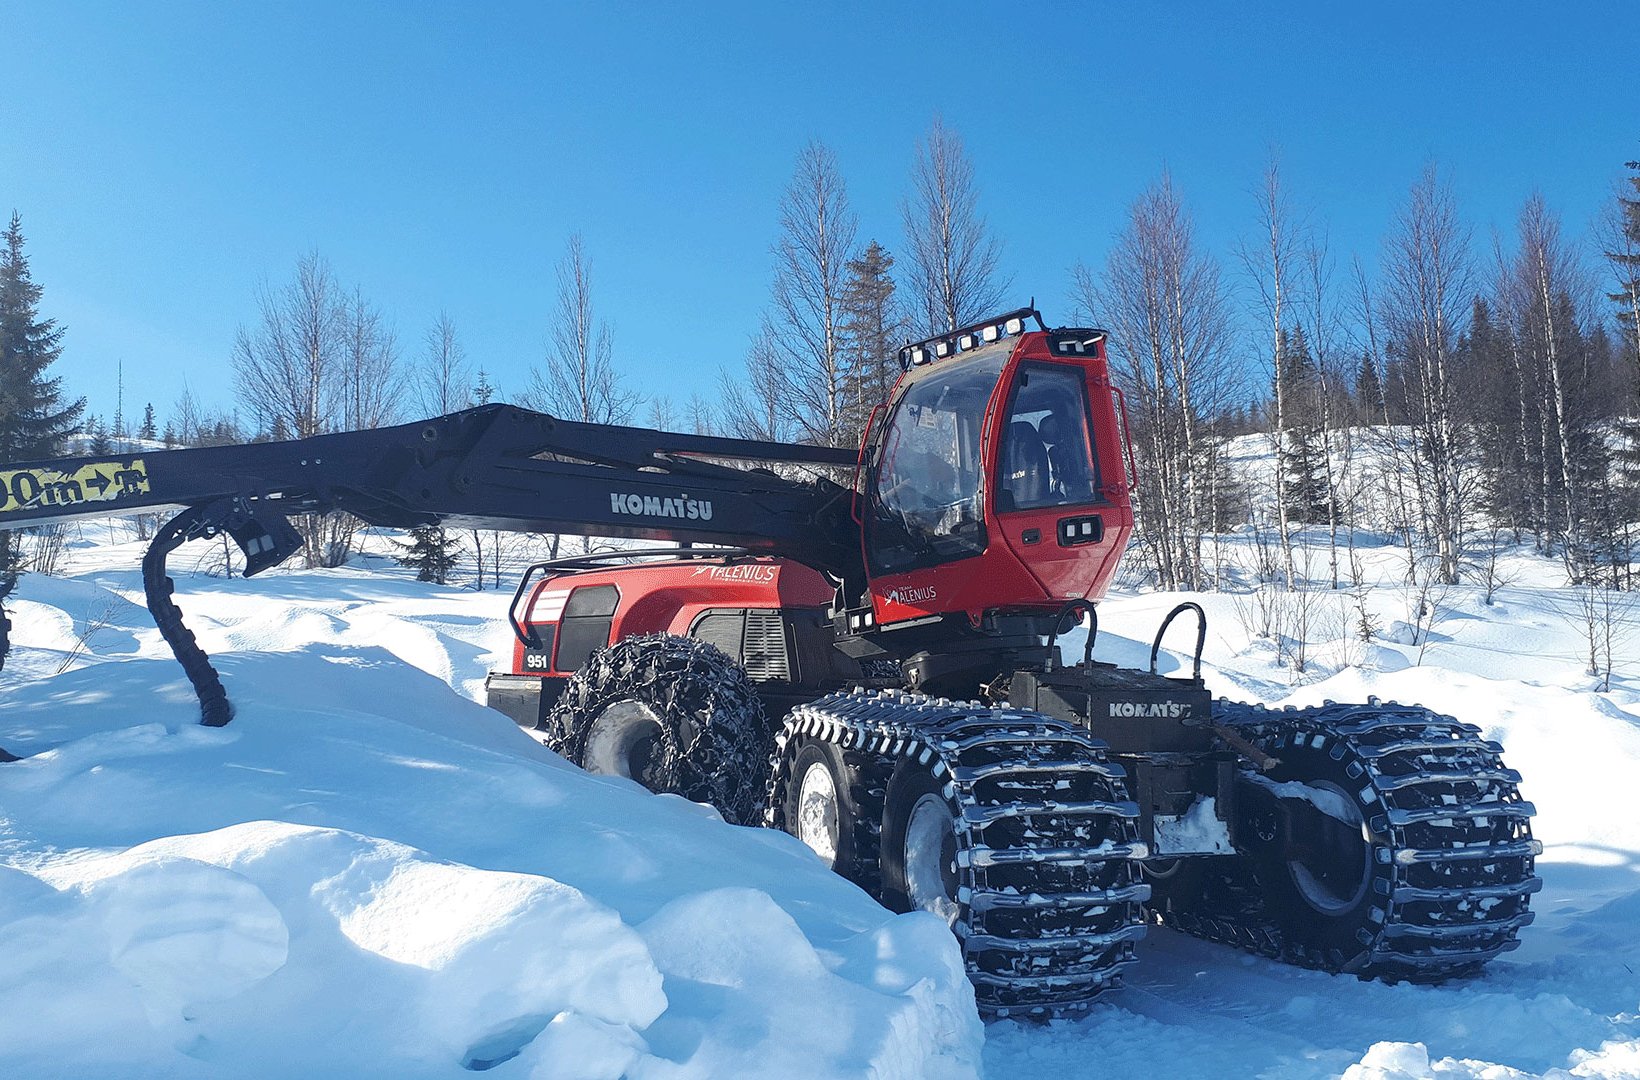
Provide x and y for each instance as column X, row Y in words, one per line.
column 811, row 752
column 909, row 783
column 716, row 743
column 1330, row 939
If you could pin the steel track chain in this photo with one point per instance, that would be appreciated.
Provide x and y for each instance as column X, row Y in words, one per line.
column 1049, row 900
column 1451, row 840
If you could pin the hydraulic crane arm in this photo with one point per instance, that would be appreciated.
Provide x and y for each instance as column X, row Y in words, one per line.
column 493, row 467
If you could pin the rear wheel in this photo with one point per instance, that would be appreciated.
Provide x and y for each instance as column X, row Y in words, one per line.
column 1324, row 889
column 674, row 714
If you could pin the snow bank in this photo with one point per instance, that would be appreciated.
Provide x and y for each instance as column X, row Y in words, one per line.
column 365, row 873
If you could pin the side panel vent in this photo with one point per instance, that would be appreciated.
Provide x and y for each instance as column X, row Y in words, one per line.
column 765, row 653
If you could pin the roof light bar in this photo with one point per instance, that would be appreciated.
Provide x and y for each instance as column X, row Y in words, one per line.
column 968, row 337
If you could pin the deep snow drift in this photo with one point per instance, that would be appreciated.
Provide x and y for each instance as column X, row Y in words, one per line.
column 366, row 873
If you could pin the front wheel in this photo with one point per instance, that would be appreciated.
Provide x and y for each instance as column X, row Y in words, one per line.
column 674, row 714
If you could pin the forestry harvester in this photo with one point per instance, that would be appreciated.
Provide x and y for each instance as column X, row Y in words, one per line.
column 862, row 649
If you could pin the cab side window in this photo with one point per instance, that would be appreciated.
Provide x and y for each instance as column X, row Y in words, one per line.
column 1046, row 458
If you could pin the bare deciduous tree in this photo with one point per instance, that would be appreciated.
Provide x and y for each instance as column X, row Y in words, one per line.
column 952, row 259
column 1427, row 287
column 1270, row 263
column 444, row 383
column 1163, row 299
column 371, row 387
column 302, row 371
column 288, row 367
column 578, row 380
column 802, row 346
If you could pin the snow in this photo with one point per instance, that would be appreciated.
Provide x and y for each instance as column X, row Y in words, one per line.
column 1195, row 831
column 367, row 872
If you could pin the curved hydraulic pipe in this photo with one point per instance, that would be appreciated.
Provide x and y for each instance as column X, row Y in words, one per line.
column 193, row 523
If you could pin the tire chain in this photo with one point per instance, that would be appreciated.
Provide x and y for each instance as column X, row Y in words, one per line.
column 1049, row 897
column 1446, row 818
column 705, row 685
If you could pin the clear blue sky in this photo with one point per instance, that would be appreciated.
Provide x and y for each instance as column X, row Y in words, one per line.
column 166, row 157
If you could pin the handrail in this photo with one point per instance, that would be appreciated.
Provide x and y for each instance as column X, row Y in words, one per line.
column 591, row 561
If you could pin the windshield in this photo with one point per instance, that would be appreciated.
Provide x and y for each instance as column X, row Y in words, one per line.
column 927, row 506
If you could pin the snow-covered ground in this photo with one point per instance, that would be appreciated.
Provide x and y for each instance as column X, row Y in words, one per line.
column 365, row 873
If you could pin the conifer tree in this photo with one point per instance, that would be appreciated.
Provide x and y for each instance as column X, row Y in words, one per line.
column 149, row 430
column 100, row 444
column 34, row 415
column 1307, row 489
column 431, row 552
column 1623, row 252
column 872, row 333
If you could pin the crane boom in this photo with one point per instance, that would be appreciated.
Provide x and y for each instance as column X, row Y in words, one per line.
column 493, row 467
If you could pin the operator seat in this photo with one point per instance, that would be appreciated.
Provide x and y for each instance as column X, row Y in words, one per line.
column 1070, row 472
column 1025, row 465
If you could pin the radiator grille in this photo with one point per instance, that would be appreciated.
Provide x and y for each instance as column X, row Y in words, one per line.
column 764, row 651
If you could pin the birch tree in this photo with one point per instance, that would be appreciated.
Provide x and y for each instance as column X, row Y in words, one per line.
column 1163, row 299
column 291, row 372
column 1427, row 285
column 444, row 380
column 372, row 388
column 578, row 380
column 1269, row 262
column 952, row 259
column 803, row 343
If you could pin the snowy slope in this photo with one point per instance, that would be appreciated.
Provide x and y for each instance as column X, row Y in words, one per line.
column 366, row 873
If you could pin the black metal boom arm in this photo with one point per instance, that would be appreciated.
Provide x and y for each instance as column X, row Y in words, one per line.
column 493, row 467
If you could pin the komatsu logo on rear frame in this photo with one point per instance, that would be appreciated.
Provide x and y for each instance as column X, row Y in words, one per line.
column 656, row 506
column 1170, row 710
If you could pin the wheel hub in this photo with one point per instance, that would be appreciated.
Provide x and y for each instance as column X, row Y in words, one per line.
column 817, row 812
column 622, row 740
column 1331, row 867
column 931, row 857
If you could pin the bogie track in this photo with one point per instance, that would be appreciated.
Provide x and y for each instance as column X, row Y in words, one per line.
column 1446, row 837
column 1047, row 900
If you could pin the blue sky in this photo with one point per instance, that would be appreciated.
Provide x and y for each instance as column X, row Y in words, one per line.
column 167, row 156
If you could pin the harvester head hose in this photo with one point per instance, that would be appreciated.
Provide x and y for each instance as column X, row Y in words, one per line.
column 192, row 523
column 1201, row 637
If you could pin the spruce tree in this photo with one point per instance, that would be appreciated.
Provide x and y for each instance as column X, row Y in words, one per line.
column 34, row 416
column 1369, row 392
column 149, row 429
column 872, row 332
column 1625, row 259
column 1309, row 495
column 431, row 552
column 99, row 445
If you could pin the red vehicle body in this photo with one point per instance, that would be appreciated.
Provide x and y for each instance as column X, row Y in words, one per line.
column 1034, row 558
